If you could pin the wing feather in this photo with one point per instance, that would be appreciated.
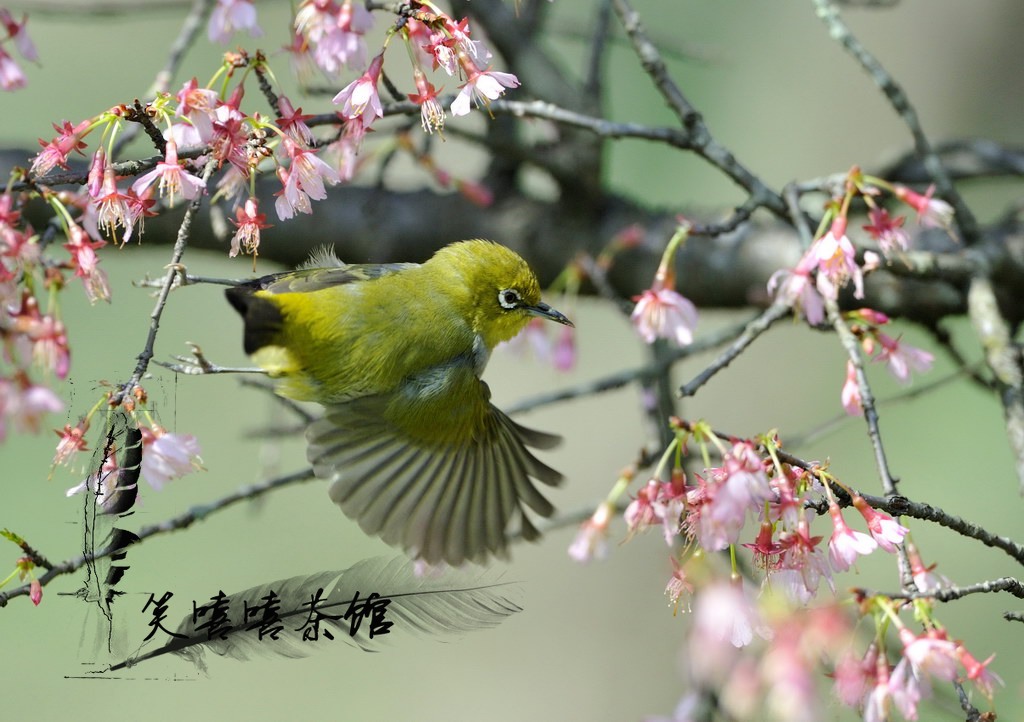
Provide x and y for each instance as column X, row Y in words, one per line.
column 435, row 511
column 459, row 535
column 427, row 491
column 442, row 501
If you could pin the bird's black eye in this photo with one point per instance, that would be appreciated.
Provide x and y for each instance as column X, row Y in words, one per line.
column 508, row 298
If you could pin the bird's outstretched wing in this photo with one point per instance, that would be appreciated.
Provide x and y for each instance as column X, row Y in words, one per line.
column 443, row 481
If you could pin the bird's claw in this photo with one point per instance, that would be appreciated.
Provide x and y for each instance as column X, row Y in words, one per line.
column 194, row 365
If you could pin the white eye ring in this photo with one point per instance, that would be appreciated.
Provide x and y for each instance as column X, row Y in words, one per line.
column 508, row 298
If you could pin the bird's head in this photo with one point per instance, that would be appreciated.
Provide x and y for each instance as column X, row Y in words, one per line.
column 501, row 290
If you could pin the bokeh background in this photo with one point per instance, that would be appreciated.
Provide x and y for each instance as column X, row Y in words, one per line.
column 595, row 642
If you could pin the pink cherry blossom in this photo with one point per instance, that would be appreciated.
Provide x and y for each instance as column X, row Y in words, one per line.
column 86, row 263
column 854, row 676
column 293, row 122
column 902, row 358
column 431, row 113
column 102, row 484
column 309, row 171
column 887, row 231
column 167, row 456
column 55, row 152
column 459, row 33
column 899, row 687
column 249, row 222
column 846, row 544
column 978, row 672
column 886, row 530
column 72, row 440
column 678, row 583
column 744, row 481
column 290, row 199
column 334, row 31
column 714, row 525
column 795, row 288
column 925, row 578
column 172, row 179
column 564, row 357
column 482, row 87
column 361, row 96
column 663, row 313
column 802, row 564
column 591, row 540
column 198, row 106
column 35, row 592
column 929, row 655
column 837, row 262
column 41, row 335
column 726, row 619
column 11, row 75
column 850, row 394
column 231, row 16
column 931, row 212
column 25, row 403
column 640, row 512
column 764, row 547
column 112, row 207
column 18, row 32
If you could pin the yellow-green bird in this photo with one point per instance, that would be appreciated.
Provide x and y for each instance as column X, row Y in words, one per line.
column 413, row 448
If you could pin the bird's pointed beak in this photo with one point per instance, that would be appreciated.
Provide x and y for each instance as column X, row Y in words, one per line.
column 542, row 310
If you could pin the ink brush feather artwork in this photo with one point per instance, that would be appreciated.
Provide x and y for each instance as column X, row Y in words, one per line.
column 361, row 605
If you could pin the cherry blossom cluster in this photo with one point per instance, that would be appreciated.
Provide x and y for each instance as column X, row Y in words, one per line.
column 16, row 34
column 761, row 662
column 210, row 143
column 165, row 455
column 34, row 342
column 830, row 263
column 32, row 337
column 434, row 41
column 872, row 684
column 754, row 489
column 746, row 641
column 899, row 357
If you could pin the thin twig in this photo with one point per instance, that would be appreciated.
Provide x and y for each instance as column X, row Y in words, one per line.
column 821, row 429
column 122, row 168
column 949, row 594
column 902, row 506
column 972, row 712
column 698, row 134
column 174, row 268
column 896, row 505
column 183, row 521
column 740, row 215
column 867, row 397
column 841, row 32
column 623, row 378
column 751, row 331
column 593, row 74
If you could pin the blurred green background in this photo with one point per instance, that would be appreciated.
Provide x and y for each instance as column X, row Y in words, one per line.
column 595, row 642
